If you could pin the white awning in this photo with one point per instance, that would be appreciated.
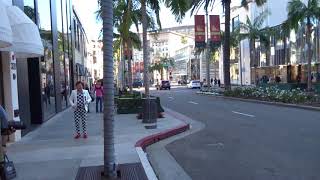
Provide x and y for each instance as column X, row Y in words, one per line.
column 5, row 29
column 26, row 41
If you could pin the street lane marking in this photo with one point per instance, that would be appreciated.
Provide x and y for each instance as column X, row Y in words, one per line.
column 216, row 144
column 192, row 102
column 244, row 114
column 171, row 98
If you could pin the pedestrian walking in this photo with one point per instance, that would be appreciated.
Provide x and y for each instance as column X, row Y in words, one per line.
column 86, row 87
column 79, row 100
column 215, row 81
column 219, row 83
column 211, row 81
column 47, row 93
column 98, row 90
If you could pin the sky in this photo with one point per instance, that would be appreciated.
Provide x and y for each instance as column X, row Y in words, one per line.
column 86, row 12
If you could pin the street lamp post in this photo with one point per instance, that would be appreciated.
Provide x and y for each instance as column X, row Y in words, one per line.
column 240, row 61
column 207, row 49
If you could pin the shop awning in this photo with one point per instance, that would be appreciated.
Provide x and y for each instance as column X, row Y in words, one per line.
column 5, row 28
column 26, row 41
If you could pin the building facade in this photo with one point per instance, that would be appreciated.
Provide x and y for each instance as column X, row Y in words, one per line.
column 285, row 58
column 166, row 44
column 41, row 85
column 96, row 55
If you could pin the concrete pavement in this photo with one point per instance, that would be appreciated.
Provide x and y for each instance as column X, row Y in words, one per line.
column 245, row 140
column 51, row 153
column 165, row 166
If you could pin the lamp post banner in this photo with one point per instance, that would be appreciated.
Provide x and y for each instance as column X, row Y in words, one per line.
column 215, row 28
column 200, row 31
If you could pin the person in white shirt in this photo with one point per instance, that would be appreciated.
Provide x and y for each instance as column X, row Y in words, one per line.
column 79, row 100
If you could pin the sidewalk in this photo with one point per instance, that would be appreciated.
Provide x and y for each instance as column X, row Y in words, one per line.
column 51, row 153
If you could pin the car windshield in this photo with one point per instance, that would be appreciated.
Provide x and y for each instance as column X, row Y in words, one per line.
column 195, row 81
column 165, row 82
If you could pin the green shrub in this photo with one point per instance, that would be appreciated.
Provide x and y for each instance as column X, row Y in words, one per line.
column 272, row 93
column 129, row 105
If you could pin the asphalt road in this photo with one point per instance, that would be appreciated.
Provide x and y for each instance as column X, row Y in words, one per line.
column 245, row 141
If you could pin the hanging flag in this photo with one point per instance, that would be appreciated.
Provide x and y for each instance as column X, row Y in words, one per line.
column 200, row 31
column 215, row 28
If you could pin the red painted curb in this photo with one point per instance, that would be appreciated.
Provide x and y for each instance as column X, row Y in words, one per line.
column 147, row 141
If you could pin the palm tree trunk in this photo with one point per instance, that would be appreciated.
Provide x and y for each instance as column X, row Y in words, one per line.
column 309, row 53
column 268, row 55
column 161, row 73
column 226, row 47
column 284, row 41
column 252, row 59
column 108, row 118
column 130, row 74
column 145, row 47
column 129, row 65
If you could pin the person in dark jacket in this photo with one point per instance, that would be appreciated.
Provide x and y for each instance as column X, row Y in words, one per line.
column 5, row 131
column 219, row 83
column 86, row 87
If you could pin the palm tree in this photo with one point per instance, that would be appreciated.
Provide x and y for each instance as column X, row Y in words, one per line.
column 155, row 6
column 164, row 63
column 108, row 118
column 157, row 67
column 127, row 14
column 178, row 9
column 298, row 13
column 196, row 4
column 253, row 30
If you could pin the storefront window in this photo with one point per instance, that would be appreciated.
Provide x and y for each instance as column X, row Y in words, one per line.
column 66, row 45
column 63, row 90
column 47, row 68
column 1, row 83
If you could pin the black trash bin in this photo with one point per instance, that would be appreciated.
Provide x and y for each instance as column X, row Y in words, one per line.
column 150, row 112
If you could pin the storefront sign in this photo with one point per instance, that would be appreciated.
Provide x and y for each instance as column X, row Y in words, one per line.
column 200, row 32
column 215, row 28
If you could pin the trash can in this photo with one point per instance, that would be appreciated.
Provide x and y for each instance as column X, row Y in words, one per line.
column 150, row 112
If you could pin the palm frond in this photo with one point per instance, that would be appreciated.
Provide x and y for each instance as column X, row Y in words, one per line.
column 259, row 20
column 155, row 7
column 178, row 8
column 196, row 5
column 296, row 13
column 135, row 39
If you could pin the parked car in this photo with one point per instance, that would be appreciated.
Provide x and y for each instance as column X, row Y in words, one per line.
column 137, row 84
column 164, row 85
column 194, row 84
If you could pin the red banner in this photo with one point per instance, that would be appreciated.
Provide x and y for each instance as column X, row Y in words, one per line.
column 215, row 28
column 200, row 29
